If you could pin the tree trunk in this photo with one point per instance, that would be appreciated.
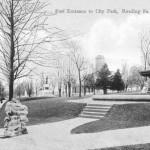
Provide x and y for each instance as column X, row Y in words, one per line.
column 80, row 84
column 80, row 88
column 30, row 94
column 84, row 91
column 75, row 90
column 36, row 91
column 105, row 91
column 66, row 90
column 11, row 86
column 59, row 92
column 69, row 89
column 94, row 90
column 12, row 53
column 126, row 87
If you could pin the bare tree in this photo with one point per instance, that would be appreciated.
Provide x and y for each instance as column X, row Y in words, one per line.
column 19, row 22
column 2, row 91
column 135, row 79
column 69, row 73
column 125, row 74
column 22, row 31
column 20, row 89
column 78, row 60
column 89, row 82
column 37, row 87
column 64, row 73
column 59, row 76
column 29, row 87
column 145, row 49
column 53, row 84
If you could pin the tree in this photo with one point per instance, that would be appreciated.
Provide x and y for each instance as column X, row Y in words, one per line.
column 2, row 90
column 125, row 75
column 145, row 49
column 29, row 88
column 89, row 82
column 78, row 60
column 68, row 73
column 53, row 85
column 22, row 31
column 59, row 76
column 103, row 81
column 20, row 89
column 117, row 82
column 19, row 22
column 135, row 79
column 37, row 86
column 74, row 85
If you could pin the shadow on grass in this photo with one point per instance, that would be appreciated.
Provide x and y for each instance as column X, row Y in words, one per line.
column 38, row 121
column 128, row 147
column 119, row 117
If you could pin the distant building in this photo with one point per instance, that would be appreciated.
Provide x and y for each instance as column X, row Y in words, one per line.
column 99, row 62
column 45, row 89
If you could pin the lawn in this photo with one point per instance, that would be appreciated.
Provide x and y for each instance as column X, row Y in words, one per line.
column 130, row 147
column 119, row 117
column 53, row 98
column 48, row 110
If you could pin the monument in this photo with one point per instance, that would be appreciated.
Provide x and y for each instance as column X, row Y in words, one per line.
column 146, row 74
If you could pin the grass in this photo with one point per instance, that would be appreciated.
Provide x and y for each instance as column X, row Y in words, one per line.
column 53, row 98
column 129, row 93
column 119, row 117
column 51, row 110
column 129, row 147
column 48, row 110
column 22, row 99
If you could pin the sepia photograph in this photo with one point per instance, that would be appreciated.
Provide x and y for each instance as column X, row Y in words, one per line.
column 74, row 75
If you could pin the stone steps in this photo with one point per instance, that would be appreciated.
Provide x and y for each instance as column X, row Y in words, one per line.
column 95, row 111
column 89, row 116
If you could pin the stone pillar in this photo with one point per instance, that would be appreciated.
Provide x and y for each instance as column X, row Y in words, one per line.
column 16, row 118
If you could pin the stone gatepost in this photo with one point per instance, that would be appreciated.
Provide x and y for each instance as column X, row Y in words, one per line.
column 16, row 118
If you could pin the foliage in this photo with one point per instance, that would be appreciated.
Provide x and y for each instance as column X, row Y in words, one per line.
column 19, row 22
column 117, row 82
column 20, row 89
column 29, row 88
column 135, row 79
column 23, row 31
column 78, row 59
column 103, row 80
column 2, row 90
column 125, row 74
column 145, row 49
column 89, row 81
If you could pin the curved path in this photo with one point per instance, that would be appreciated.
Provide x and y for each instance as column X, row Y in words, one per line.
column 56, row 136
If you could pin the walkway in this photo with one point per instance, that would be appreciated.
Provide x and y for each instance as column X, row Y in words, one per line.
column 56, row 136
column 105, row 102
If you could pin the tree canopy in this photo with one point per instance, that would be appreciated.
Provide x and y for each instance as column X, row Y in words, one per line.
column 103, row 80
column 117, row 82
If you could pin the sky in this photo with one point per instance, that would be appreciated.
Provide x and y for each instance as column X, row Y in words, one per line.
column 111, row 28
column 107, row 27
